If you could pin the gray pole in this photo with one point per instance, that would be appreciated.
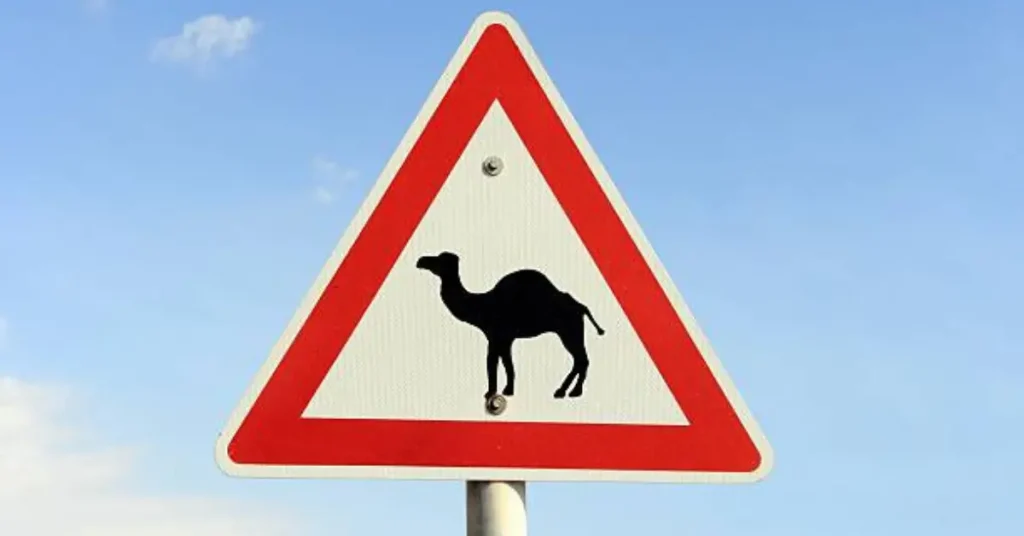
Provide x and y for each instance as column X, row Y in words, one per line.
column 495, row 508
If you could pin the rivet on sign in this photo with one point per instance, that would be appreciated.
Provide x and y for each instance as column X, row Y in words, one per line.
column 496, row 405
column 493, row 166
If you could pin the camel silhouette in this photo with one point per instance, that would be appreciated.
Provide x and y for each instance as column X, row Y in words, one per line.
column 521, row 305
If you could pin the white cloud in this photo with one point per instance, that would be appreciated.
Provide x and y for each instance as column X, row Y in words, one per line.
column 323, row 195
column 96, row 6
column 52, row 485
column 333, row 175
column 325, row 167
column 206, row 39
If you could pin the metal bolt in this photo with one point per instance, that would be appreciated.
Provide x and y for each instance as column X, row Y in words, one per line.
column 493, row 166
column 496, row 405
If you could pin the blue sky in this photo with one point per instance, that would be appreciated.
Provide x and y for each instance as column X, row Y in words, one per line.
column 835, row 188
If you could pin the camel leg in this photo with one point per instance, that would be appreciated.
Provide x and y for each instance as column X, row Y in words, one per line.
column 510, row 372
column 572, row 340
column 492, row 372
column 580, row 365
column 560, row 392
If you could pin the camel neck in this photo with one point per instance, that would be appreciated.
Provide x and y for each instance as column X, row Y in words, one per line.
column 456, row 298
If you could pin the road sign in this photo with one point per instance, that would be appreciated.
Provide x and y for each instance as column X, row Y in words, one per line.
column 494, row 312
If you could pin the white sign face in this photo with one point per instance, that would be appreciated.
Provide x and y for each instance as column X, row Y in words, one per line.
column 410, row 358
column 494, row 313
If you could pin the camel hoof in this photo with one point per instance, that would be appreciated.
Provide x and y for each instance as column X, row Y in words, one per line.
column 560, row 393
column 575, row 393
column 508, row 391
column 489, row 395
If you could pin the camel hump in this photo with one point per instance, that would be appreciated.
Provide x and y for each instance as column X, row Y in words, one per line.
column 526, row 280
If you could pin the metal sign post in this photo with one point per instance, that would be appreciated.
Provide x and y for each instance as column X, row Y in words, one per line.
column 495, row 508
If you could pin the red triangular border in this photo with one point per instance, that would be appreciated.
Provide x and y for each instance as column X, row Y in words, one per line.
column 274, row 433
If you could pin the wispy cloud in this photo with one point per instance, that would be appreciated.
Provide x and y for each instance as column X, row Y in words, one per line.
column 96, row 6
column 45, row 469
column 333, row 177
column 207, row 39
column 323, row 195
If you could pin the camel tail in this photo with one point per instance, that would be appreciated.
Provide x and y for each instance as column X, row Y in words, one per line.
column 586, row 311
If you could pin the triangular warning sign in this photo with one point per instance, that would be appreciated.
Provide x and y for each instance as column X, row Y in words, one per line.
column 494, row 312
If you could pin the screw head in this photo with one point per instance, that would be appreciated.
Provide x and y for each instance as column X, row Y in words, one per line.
column 496, row 405
column 493, row 165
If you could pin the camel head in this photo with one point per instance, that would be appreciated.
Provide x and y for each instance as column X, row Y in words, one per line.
column 442, row 265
